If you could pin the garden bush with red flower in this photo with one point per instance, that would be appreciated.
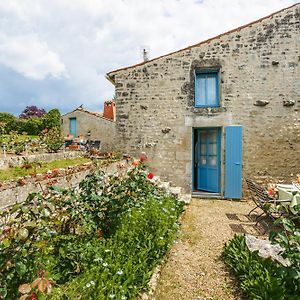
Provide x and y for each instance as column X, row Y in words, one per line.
column 60, row 233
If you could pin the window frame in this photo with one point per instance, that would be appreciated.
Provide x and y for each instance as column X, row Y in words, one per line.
column 207, row 72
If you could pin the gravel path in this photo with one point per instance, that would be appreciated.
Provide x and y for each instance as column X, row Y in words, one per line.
column 194, row 268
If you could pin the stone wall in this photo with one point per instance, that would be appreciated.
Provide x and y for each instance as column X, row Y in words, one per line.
column 18, row 194
column 17, row 161
column 259, row 62
column 101, row 129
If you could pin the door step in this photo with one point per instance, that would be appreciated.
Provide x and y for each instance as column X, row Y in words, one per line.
column 206, row 195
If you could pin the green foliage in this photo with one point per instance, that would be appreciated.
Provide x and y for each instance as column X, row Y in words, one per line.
column 14, row 144
column 62, row 233
column 6, row 117
column 289, row 240
column 16, row 125
column 34, row 168
column 52, row 119
column 32, row 121
column 33, row 126
column 52, row 139
column 123, row 264
column 259, row 278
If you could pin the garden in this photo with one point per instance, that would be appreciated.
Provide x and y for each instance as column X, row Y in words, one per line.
column 100, row 240
column 34, row 131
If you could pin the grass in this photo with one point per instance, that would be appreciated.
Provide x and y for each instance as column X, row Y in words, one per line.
column 20, row 137
column 15, row 172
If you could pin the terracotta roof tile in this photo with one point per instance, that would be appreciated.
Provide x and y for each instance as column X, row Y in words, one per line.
column 95, row 114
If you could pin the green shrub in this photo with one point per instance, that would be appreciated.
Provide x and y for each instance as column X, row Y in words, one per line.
column 6, row 117
column 289, row 240
column 16, row 125
column 52, row 139
column 33, row 126
column 259, row 278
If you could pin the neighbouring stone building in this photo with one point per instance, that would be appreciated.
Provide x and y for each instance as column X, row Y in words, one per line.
column 203, row 112
column 92, row 125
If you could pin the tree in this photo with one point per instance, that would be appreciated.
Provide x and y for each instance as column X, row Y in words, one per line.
column 52, row 119
column 6, row 117
column 32, row 112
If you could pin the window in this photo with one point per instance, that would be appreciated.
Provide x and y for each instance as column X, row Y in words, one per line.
column 207, row 88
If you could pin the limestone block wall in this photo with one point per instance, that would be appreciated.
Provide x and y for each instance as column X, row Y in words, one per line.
column 20, row 193
column 17, row 161
column 259, row 62
column 101, row 129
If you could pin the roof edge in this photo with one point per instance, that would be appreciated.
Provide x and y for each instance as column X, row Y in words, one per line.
column 109, row 75
column 87, row 112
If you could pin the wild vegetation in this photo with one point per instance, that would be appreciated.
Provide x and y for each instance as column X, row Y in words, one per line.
column 32, row 121
column 101, row 240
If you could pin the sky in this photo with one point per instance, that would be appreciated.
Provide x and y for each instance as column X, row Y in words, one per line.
column 55, row 54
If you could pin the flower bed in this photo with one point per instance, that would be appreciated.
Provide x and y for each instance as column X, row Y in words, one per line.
column 99, row 241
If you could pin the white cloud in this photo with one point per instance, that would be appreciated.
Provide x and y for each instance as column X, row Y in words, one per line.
column 88, row 38
column 29, row 56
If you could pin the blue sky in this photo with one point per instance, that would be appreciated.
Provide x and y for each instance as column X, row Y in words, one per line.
column 55, row 54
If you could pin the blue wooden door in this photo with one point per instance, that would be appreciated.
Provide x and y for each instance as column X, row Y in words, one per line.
column 233, row 162
column 73, row 127
column 207, row 159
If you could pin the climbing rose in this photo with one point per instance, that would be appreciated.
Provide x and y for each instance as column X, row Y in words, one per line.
column 270, row 191
column 143, row 157
column 135, row 163
column 150, row 176
column 33, row 296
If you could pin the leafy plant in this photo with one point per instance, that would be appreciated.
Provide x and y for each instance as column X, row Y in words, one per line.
column 289, row 240
column 257, row 275
column 260, row 278
column 52, row 139
column 16, row 145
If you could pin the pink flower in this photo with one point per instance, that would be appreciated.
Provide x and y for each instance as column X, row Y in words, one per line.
column 150, row 176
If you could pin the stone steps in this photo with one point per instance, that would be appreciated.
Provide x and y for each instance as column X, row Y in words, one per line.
column 173, row 190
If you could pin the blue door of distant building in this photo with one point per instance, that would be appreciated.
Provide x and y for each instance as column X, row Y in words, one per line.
column 207, row 143
column 73, row 127
column 233, row 162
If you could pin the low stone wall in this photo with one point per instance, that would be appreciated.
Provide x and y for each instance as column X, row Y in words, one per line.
column 18, row 194
column 17, row 161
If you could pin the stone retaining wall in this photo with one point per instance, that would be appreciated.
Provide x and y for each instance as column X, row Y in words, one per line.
column 17, row 161
column 18, row 194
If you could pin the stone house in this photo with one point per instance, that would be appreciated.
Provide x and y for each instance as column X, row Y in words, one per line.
column 218, row 111
column 92, row 125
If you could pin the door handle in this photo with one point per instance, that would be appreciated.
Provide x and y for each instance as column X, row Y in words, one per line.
column 237, row 163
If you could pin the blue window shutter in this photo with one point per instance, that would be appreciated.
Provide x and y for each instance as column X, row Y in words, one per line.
column 233, row 162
